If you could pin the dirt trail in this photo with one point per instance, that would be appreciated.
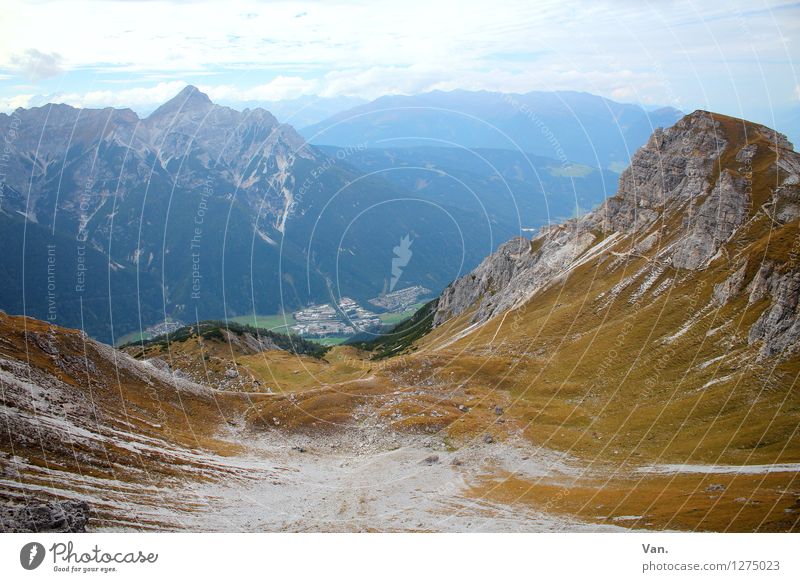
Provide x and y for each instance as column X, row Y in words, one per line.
column 367, row 480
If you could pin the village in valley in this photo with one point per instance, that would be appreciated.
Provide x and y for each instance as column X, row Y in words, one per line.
column 347, row 317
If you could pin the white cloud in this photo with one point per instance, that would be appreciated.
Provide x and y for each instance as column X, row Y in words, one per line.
column 36, row 65
column 16, row 101
column 136, row 97
column 376, row 81
column 280, row 88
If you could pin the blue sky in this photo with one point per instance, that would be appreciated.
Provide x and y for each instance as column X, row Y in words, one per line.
column 733, row 57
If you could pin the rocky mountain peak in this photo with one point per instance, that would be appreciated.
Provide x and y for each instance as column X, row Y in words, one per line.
column 686, row 162
column 190, row 99
column 190, row 92
column 700, row 201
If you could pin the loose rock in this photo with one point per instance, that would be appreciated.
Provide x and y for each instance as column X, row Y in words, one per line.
column 53, row 516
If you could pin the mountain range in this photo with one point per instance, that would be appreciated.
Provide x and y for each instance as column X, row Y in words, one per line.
column 567, row 126
column 114, row 222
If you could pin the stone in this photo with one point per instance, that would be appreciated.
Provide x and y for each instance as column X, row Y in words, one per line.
column 731, row 286
column 675, row 168
column 712, row 222
column 778, row 326
column 53, row 516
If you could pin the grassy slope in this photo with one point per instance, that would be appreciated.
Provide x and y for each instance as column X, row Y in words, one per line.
column 597, row 377
column 570, row 372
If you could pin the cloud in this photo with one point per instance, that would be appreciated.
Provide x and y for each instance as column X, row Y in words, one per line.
column 376, row 81
column 137, row 98
column 16, row 101
column 278, row 89
column 36, row 65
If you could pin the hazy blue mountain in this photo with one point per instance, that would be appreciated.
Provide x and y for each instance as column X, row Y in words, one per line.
column 306, row 110
column 510, row 191
column 563, row 125
column 211, row 211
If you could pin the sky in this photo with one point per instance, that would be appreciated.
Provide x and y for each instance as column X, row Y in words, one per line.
column 735, row 57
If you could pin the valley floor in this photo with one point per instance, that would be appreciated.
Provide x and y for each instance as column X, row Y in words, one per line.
column 364, row 481
column 371, row 479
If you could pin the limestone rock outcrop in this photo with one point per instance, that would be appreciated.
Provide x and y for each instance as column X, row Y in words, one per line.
column 711, row 198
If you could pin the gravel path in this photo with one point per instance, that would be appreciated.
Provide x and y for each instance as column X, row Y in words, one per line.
column 370, row 480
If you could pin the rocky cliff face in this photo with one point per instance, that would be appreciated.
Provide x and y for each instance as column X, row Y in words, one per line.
column 95, row 155
column 250, row 150
column 710, row 198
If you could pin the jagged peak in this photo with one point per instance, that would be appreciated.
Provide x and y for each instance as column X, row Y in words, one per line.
column 192, row 93
column 693, row 158
column 190, row 98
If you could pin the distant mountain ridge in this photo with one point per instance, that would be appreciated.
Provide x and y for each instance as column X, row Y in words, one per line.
column 307, row 109
column 564, row 125
column 517, row 191
column 146, row 193
column 189, row 207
